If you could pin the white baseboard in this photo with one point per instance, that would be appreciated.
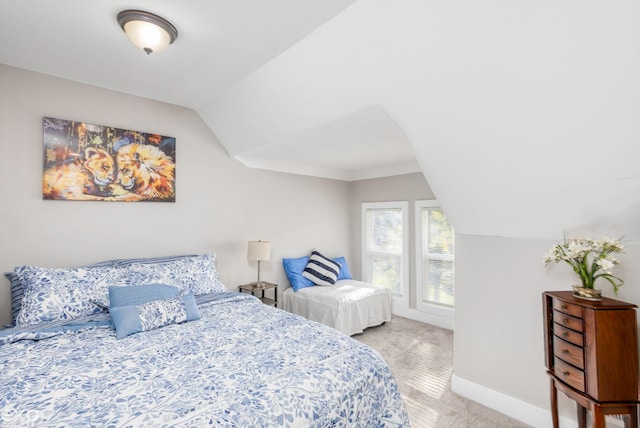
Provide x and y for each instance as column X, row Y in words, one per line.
column 505, row 404
column 517, row 409
column 416, row 315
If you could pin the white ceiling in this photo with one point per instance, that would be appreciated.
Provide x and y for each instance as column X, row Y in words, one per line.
column 361, row 145
column 219, row 43
column 523, row 116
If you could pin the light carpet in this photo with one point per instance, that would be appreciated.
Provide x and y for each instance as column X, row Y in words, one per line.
column 421, row 358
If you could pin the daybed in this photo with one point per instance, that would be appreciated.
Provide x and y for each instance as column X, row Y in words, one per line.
column 347, row 305
column 220, row 358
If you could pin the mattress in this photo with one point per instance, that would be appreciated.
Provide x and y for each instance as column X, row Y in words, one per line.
column 242, row 364
column 349, row 306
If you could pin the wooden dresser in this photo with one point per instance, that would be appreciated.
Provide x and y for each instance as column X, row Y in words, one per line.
column 591, row 353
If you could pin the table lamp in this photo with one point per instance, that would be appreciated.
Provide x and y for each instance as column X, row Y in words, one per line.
column 259, row 251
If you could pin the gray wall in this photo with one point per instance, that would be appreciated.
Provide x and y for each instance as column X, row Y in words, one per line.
column 499, row 282
column 220, row 204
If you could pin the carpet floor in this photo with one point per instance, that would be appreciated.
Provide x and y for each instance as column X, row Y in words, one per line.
column 421, row 358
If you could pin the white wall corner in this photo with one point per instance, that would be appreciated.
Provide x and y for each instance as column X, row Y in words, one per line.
column 416, row 315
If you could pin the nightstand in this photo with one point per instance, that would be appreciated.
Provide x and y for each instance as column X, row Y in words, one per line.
column 254, row 287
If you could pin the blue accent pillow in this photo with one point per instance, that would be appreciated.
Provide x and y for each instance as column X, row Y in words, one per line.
column 129, row 320
column 139, row 294
column 294, row 268
column 344, row 273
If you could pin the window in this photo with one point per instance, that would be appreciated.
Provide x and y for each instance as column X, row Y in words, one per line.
column 385, row 247
column 434, row 259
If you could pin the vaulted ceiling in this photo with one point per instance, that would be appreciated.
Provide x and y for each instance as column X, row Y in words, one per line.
column 523, row 116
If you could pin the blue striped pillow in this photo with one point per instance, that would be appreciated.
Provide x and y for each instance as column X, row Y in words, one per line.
column 17, row 293
column 321, row 270
column 152, row 260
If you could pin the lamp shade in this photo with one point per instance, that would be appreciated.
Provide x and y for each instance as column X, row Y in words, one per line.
column 149, row 32
column 259, row 250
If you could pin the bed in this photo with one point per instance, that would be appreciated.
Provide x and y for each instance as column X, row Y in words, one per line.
column 349, row 306
column 323, row 290
column 222, row 359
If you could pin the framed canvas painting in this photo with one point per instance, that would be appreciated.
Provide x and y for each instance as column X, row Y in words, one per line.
column 86, row 162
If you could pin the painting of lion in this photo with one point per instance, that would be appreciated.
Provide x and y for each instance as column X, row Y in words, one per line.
column 80, row 179
column 145, row 172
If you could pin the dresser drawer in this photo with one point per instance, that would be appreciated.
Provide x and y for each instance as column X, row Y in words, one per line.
column 568, row 335
column 572, row 354
column 567, row 321
column 567, row 308
column 568, row 374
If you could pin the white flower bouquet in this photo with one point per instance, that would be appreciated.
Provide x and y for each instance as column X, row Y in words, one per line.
column 590, row 259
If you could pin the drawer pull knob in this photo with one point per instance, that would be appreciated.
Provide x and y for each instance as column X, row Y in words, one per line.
column 565, row 373
column 563, row 306
column 565, row 334
column 565, row 351
column 565, row 321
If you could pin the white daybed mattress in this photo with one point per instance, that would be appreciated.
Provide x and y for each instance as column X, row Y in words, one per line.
column 349, row 306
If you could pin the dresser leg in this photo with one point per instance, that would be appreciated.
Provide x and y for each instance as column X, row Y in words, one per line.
column 554, row 404
column 582, row 416
column 633, row 418
column 598, row 417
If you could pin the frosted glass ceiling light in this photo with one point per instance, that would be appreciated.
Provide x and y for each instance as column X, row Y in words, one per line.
column 149, row 32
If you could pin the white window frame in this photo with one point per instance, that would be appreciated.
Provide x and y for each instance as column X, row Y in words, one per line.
column 399, row 300
column 432, row 308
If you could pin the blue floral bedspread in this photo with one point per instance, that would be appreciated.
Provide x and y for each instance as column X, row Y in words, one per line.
column 243, row 364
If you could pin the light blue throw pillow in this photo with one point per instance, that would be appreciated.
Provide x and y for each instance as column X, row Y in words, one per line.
column 344, row 273
column 294, row 268
column 140, row 294
column 129, row 320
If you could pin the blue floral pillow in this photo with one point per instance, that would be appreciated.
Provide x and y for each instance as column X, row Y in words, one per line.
column 129, row 320
column 60, row 294
column 17, row 288
column 196, row 275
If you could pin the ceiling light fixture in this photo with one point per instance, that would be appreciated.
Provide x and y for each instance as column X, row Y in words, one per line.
column 149, row 32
